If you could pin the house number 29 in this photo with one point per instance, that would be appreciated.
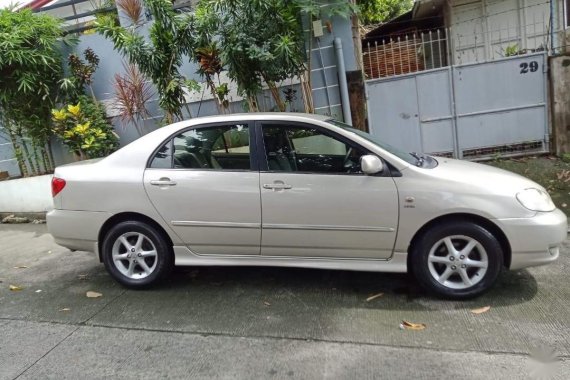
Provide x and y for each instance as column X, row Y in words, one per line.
column 526, row 67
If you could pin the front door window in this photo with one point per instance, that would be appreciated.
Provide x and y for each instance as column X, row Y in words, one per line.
column 310, row 150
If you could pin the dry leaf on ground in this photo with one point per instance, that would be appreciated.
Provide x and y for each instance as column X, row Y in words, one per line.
column 65, row 309
column 16, row 288
column 412, row 326
column 374, row 297
column 481, row 310
column 20, row 267
column 91, row 294
column 266, row 303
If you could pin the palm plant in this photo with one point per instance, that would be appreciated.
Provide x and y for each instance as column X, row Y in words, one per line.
column 132, row 93
column 158, row 57
column 210, row 66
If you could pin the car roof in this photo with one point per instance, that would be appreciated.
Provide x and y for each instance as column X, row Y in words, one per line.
column 251, row 116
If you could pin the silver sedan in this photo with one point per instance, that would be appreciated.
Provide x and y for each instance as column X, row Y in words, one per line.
column 299, row 190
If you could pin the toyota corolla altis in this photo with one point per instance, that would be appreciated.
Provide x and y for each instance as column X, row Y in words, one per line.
column 299, row 190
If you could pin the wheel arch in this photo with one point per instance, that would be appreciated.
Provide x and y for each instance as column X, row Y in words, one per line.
column 477, row 219
column 128, row 216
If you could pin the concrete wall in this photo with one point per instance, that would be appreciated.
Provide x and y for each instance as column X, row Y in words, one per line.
column 26, row 195
column 559, row 72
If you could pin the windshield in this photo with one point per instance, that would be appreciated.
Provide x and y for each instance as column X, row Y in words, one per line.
column 408, row 157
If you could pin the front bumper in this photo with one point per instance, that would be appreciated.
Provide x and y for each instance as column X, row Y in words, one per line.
column 76, row 230
column 537, row 240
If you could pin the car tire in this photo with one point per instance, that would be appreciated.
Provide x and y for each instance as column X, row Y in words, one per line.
column 136, row 254
column 458, row 260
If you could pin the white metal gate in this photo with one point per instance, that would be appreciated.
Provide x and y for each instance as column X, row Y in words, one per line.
column 465, row 111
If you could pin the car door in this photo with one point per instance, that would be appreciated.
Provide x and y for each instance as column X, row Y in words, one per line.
column 315, row 200
column 204, row 184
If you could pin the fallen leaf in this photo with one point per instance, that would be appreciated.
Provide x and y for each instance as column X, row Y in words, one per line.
column 481, row 310
column 16, row 288
column 38, row 291
column 65, row 309
column 93, row 294
column 20, row 267
column 374, row 297
column 412, row 326
column 266, row 303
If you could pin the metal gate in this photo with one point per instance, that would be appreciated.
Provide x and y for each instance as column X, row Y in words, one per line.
column 465, row 111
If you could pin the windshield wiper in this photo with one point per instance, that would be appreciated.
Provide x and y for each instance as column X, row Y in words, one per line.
column 419, row 158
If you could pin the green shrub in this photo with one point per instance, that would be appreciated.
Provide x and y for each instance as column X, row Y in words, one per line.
column 84, row 129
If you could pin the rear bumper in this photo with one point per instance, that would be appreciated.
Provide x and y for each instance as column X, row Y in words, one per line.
column 537, row 240
column 76, row 230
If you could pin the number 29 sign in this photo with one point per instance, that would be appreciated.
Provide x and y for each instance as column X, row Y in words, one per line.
column 527, row 67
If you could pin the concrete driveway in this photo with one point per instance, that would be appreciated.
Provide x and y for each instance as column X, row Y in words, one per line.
column 267, row 322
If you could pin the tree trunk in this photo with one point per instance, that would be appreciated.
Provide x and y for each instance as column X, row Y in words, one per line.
column 188, row 110
column 50, row 155
column 17, row 152
column 275, row 93
column 30, row 159
column 252, row 103
column 212, row 86
column 307, row 93
column 41, row 169
column 45, row 159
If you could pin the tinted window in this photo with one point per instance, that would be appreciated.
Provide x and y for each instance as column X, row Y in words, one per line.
column 163, row 157
column 220, row 147
column 307, row 149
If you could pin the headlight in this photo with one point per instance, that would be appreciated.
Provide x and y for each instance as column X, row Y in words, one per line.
column 535, row 200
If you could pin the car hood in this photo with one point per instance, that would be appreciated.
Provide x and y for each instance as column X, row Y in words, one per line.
column 481, row 176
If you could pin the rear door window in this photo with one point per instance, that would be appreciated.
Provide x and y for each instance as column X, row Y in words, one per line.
column 210, row 148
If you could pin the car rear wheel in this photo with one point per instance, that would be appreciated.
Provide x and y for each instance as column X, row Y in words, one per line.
column 136, row 254
column 457, row 260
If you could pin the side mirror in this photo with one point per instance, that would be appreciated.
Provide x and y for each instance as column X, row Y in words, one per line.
column 371, row 164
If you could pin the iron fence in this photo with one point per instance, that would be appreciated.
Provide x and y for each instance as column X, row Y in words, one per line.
column 466, row 41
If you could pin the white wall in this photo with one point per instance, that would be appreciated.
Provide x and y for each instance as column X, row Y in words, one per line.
column 481, row 30
column 26, row 194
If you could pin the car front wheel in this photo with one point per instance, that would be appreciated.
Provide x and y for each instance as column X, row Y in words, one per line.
column 136, row 254
column 457, row 260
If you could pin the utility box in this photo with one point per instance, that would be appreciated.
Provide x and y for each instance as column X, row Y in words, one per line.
column 318, row 28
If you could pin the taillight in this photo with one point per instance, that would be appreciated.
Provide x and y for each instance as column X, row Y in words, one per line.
column 57, row 184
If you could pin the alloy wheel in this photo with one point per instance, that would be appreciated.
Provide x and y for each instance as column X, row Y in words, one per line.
column 134, row 255
column 458, row 262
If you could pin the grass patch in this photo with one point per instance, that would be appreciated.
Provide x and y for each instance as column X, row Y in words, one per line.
column 550, row 172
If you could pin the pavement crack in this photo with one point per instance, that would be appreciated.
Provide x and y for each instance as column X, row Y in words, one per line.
column 48, row 352
column 85, row 322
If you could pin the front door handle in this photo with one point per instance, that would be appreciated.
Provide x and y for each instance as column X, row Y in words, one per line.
column 163, row 182
column 277, row 186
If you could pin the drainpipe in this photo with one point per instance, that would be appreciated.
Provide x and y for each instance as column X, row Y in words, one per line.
column 343, row 86
column 553, row 26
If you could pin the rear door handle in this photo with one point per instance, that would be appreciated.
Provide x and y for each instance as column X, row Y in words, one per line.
column 163, row 182
column 277, row 186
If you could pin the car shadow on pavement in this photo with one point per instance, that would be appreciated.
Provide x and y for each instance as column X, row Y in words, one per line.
column 344, row 288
